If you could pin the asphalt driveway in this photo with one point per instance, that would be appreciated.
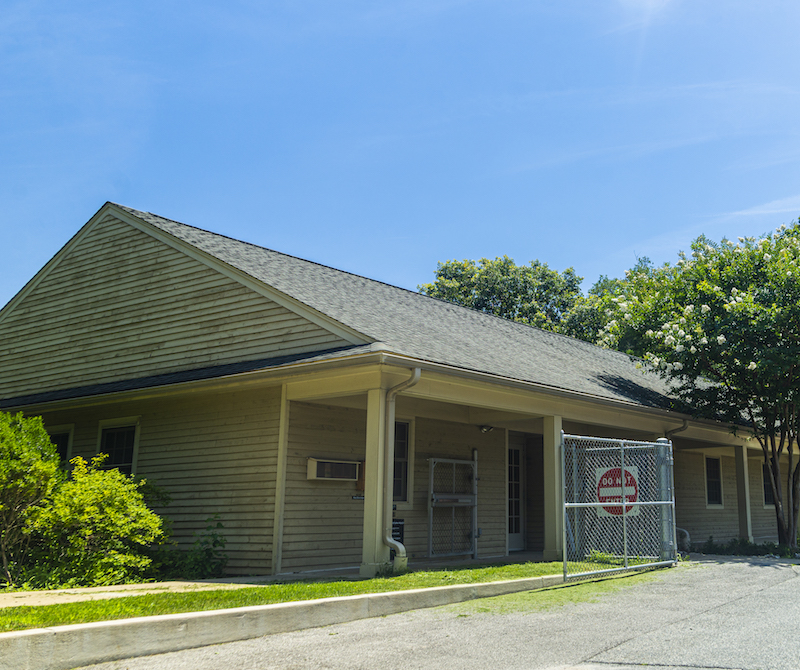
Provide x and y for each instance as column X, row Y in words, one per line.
column 716, row 613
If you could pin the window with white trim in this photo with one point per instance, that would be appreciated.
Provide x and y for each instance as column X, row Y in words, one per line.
column 61, row 437
column 119, row 440
column 403, row 463
column 713, row 481
column 769, row 496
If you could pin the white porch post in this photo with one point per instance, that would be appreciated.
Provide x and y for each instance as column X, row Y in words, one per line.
column 375, row 554
column 743, row 493
column 553, row 495
column 280, row 484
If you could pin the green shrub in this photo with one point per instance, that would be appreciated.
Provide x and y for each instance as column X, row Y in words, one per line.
column 29, row 473
column 205, row 559
column 94, row 531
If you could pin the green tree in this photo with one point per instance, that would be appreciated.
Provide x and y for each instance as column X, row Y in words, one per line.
column 532, row 294
column 29, row 473
column 94, row 531
column 723, row 324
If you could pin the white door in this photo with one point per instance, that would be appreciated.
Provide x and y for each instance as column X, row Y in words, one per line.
column 516, row 506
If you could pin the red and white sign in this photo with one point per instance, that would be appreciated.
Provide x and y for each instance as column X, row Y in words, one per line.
column 610, row 490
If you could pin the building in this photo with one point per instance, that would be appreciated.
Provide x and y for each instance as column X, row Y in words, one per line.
column 302, row 403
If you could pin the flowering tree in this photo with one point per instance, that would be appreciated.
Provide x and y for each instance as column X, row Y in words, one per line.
column 724, row 326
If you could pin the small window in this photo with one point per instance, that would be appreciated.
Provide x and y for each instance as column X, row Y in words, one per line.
column 61, row 442
column 119, row 440
column 769, row 496
column 61, row 437
column 713, row 481
column 401, row 460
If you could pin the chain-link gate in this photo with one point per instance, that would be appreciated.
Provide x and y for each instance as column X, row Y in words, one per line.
column 453, row 507
column 619, row 505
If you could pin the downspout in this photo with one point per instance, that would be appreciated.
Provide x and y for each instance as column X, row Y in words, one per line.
column 400, row 555
column 669, row 433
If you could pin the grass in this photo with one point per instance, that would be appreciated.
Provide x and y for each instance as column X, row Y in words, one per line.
column 20, row 618
column 556, row 596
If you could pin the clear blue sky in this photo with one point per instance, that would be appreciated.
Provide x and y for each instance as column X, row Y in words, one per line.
column 382, row 137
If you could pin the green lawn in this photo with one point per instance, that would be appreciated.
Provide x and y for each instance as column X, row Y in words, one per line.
column 19, row 618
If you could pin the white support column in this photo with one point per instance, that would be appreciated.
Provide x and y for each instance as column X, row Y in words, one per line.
column 553, row 494
column 280, row 484
column 743, row 493
column 375, row 554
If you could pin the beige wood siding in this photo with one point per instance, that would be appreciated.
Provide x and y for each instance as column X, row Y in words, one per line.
column 444, row 439
column 692, row 513
column 213, row 454
column 123, row 305
column 323, row 524
column 534, row 492
column 765, row 526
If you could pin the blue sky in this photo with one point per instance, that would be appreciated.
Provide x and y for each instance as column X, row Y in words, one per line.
column 382, row 137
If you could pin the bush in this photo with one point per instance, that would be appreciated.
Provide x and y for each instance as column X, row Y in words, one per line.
column 29, row 473
column 94, row 532
column 205, row 559
column 741, row 547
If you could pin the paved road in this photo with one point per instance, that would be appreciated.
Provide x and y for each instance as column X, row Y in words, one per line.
column 739, row 614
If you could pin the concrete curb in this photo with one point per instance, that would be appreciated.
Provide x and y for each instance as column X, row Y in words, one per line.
column 67, row 647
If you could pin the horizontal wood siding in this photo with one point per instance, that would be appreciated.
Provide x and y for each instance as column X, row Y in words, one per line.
column 123, row 305
column 534, row 492
column 323, row 526
column 692, row 513
column 213, row 454
column 765, row 525
column 444, row 439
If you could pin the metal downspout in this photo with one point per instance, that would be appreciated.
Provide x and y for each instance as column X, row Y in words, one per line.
column 669, row 433
column 400, row 555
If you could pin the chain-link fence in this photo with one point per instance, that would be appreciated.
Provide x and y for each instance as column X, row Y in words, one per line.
column 452, row 511
column 619, row 505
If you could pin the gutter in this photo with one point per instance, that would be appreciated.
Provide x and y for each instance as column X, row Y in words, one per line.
column 401, row 556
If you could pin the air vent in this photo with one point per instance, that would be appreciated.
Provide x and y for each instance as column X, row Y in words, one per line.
column 346, row 471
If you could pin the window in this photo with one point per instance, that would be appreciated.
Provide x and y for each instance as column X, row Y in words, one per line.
column 713, row 481
column 769, row 496
column 61, row 437
column 119, row 438
column 403, row 465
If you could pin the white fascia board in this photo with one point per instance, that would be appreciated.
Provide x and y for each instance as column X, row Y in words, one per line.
column 284, row 300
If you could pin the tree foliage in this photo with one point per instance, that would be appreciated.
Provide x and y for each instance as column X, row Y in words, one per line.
column 723, row 324
column 532, row 294
column 29, row 473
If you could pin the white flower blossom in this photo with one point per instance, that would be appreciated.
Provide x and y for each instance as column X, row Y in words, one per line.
column 693, row 349
column 678, row 365
column 681, row 333
column 721, row 339
column 679, row 348
column 767, row 257
column 734, row 291
column 752, row 365
column 627, row 316
column 703, row 340
column 649, row 333
column 669, row 340
column 682, row 320
column 705, row 309
column 688, row 309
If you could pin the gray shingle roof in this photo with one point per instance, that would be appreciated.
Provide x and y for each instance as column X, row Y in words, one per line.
column 428, row 329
